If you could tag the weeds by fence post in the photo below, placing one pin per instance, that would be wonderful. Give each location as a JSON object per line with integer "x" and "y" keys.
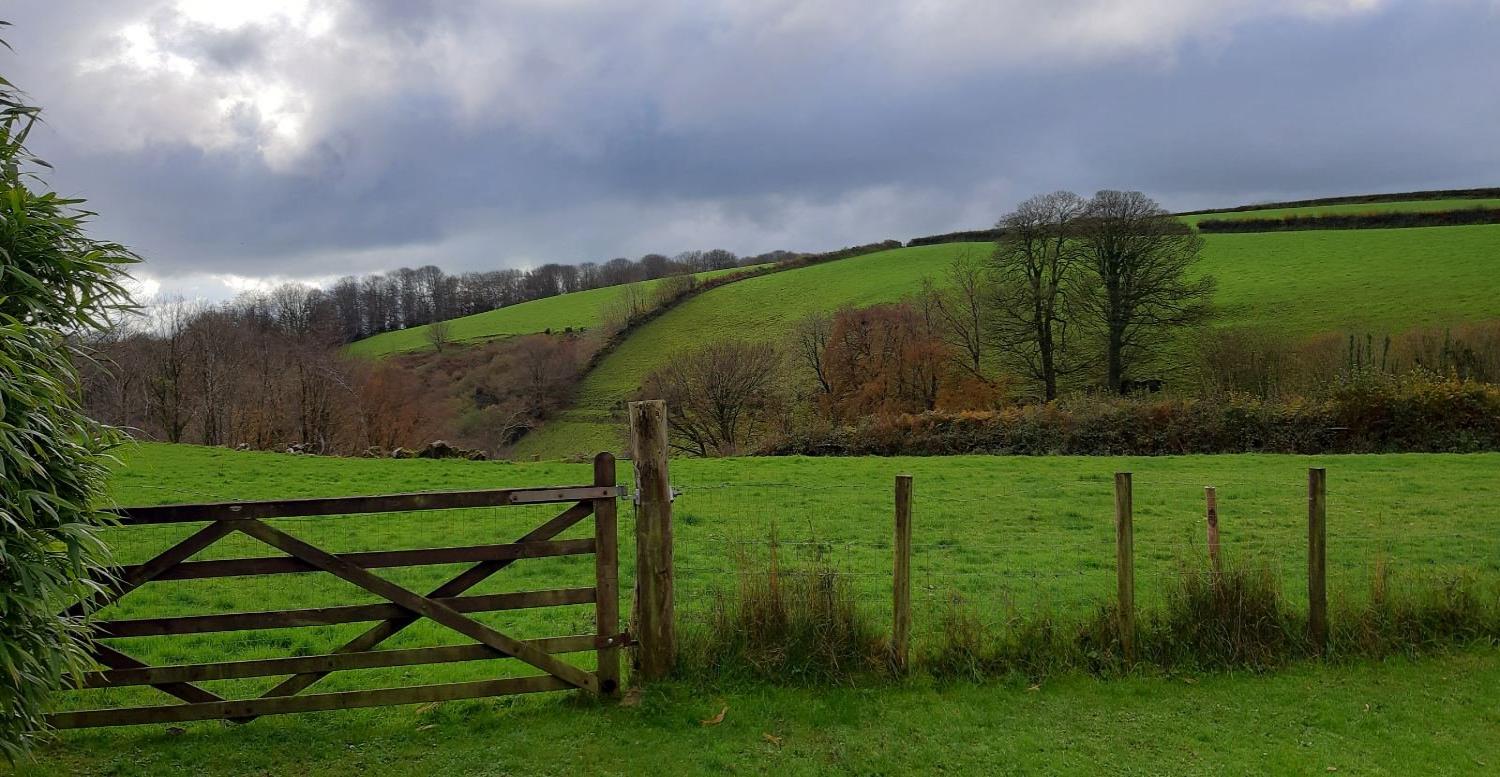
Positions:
{"x": 1317, "y": 561}
{"x": 655, "y": 620}
{"x": 901, "y": 580}
{"x": 606, "y": 577}
{"x": 1211, "y": 500}
{"x": 1125, "y": 562}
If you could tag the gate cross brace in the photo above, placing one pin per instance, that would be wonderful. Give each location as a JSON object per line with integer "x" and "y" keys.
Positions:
{"x": 469, "y": 578}
{"x": 145, "y": 573}
{"x": 418, "y": 604}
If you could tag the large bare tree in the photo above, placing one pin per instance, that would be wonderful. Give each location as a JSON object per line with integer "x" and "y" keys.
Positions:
{"x": 809, "y": 342}
{"x": 720, "y": 397}
{"x": 1140, "y": 286}
{"x": 1035, "y": 257}
{"x": 169, "y": 373}
{"x": 961, "y": 309}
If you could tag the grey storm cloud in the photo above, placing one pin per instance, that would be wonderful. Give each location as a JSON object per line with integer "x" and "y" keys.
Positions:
{"x": 230, "y": 142}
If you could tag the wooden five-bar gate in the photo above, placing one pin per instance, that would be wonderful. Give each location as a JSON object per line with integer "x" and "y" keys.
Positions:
{"x": 446, "y": 605}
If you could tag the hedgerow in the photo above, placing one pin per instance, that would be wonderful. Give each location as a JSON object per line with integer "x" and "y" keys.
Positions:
{"x": 1368, "y": 414}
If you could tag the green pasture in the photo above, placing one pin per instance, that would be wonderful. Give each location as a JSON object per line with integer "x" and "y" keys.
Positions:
{"x": 578, "y": 310}
{"x": 1004, "y": 533}
{"x": 1345, "y": 209}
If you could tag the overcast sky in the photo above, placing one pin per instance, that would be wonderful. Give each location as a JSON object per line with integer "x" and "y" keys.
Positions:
{"x": 236, "y": 143}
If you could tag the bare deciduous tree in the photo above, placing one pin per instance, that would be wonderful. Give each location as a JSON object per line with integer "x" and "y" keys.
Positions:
{"x": 719, "y": 398}
{"x": 809, "y": 343}
{"x": 167, "y": 388}
{"x": 1139, "y": 288}
{"x": 439, "y": 335}
{"x": 1034, "y": 259}
{"x": 961, "y": 308}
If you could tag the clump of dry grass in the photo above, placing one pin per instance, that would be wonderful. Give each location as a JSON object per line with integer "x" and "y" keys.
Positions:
{"x": 786, "y": 624}
{"x": 800, "y": 625}
{"x": 1417, "y": 616}
{"x": 1232, "y": 616}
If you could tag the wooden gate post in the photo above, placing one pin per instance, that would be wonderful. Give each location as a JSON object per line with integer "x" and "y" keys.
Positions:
{"x": 606, "y": 578}
{"x": 1317, "y": 561}
{"x": 901, "y": 579}
{"x": 655, "y": 628}
{"x": 1125, "y": 562}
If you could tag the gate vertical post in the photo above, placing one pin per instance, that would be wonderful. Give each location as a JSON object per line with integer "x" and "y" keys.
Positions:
{"x": 607, "y": 578}
{"x": 656, "y": 628}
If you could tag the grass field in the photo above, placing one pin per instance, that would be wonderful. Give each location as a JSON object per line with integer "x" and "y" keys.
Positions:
{"x": 1412, "y": 206}
{"x": 1300, "y": 283}
{"x": 1437, "y": 716}
{"x": 578, "y": 310}
{"x": 1003, "y": 532}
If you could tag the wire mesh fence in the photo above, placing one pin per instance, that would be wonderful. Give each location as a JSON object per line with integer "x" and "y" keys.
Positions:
{"x": 1027, "y": 545}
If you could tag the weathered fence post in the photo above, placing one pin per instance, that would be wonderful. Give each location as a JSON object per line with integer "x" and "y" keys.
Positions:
{"x": 901, "y": 580}
{"x": 606, "y": 578}
{"x": 1125, "y": 562}
{"x": 655, "y": 627}
{"x": 1211, "y": 500}
{"x": 1317, "y": 560}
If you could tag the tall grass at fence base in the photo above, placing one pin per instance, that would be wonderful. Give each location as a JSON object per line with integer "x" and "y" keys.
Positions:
{"x": 798, "y": 625}
{"x": 1411, "y": 617}
{"x": 803, "y": 625}
{"x": 1234, "y": 618}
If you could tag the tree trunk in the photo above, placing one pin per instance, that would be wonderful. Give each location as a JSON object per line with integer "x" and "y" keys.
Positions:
{"x": 1115, "y": 368}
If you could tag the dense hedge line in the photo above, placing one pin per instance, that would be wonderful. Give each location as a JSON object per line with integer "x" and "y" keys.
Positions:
{"x": 1390, "y": 220}
{"x": 1356, "y": 199}
{"x": 1367, "y": 416}
{"x": 971, "y": 236}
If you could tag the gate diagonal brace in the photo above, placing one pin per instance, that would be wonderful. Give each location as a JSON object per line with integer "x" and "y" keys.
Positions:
{"x": 418, "y": 604}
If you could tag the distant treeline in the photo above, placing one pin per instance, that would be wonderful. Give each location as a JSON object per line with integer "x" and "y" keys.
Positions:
{"x": 1388, "y": 220}
{"x": 370, "y": 304}
{"x": 1443, "y": 218}
{"x": 1355, "y": 199}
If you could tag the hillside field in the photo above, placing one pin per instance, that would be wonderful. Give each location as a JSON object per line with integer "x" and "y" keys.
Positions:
{"x": 1344, "y": 209}
{"x": 578, "y": 310}
{"x": 1003, "y": 532}
{"x": 1299, "y": 283}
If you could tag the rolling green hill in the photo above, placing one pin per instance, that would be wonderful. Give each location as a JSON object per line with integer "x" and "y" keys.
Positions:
{"x": 578, "y": 310}
{"x": 1301, "y": 283}
{"x": 1411, "y": 206}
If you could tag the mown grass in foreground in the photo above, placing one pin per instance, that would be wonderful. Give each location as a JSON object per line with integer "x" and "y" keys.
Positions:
{"x": 1398, "y": 717}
